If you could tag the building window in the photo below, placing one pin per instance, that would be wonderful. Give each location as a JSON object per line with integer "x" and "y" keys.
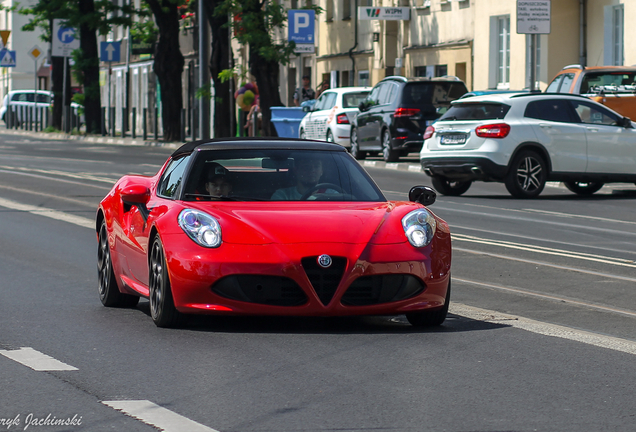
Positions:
{"x": 537, "y": 59}
{"x": 363, "y": 78}
{"x": 613, "y": 32}
{"x": 441, "y": 70}
{"x": 503, "y": 51}
{"x": 346, "y": 9}
{"x": 329, "y": 15}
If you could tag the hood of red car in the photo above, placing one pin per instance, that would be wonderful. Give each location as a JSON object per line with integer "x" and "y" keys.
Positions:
{"x": 310, "y": 222}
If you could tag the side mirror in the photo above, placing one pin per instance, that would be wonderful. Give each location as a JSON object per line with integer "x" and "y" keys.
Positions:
{"x": 363, "y": 106}
{"x": 424, "y": 195}
{"x": 306, "y": 108}
{"x": 627, "y": 123}
{"x": 138, "y": 196}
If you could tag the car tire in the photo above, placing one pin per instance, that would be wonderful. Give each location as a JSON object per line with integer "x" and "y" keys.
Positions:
{"x": 450, "y": 188}
{"x": 527, "y": 175}
{"x": 330, "y": 137}
{"x": 430, "y": 318}
{"x": 355, "y": 147}
{"x": 108, "y": 289}
{"x": 302, "y": 134}
{"x": 583, "y": 188}
{"x": 162, "y": 309}
{"x": 388, "y": 154}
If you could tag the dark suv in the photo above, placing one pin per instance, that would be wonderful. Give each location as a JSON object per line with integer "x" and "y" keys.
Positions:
{"x": 395, "y": 115}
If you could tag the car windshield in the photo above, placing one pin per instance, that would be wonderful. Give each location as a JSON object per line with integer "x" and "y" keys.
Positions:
{"x": 476, "y": 111}
{"x": 597, "y": 81}
{"x": 278, "y": 175}
{"x": 352, "y": 100}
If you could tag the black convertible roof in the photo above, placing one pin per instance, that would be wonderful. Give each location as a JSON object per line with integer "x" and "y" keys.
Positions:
{"x": 255, "y": 143}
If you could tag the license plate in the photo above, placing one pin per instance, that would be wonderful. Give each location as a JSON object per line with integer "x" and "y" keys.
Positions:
{"x": 453, "y": 139}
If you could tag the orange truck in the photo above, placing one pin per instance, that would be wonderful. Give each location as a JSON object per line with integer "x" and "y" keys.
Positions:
{"x": 612, "y": 86}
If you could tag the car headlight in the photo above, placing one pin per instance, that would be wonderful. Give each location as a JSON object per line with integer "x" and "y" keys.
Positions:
{"x": 419, "y": 227}
{"x": 201, "y": 227}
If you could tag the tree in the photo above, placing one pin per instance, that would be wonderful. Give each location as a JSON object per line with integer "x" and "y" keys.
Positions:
{"x": 221, "y": 59}
{"x": 168, "y": 65}
{"x": 260, "y": 20}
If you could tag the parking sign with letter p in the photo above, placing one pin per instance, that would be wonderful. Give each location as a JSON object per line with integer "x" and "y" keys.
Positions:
{"x": 301, "y": 26}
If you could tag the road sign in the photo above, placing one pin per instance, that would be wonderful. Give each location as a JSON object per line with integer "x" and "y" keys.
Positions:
{"x": 384, "y": 13}
{"x": 4, "y": 35}
{"x": 305, "y": 48}
{"x": 533, "y": 17}
{"x": 35, "y": 52}
{"x": 302, "y": 23}
{"x": 65, "y": 40}
{"x": 7, "y": 58}
{"x": 109, "y": 51}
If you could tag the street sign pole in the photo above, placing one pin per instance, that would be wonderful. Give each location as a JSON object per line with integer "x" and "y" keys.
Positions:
{"x": 64, "y": 97}
{"x": 35, "y": 53}
{"x": 111, "y": 123}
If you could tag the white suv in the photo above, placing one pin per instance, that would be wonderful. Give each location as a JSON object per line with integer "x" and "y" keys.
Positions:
{"x": 526, "y": 139}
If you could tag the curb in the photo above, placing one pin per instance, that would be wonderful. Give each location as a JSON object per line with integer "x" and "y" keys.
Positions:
{"x": 92, "y": 139}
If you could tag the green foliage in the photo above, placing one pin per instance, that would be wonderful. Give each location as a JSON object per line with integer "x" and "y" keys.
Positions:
{"x": 204, "y": 92}
{"x": 144, "y": 31}
{"x": 259, "y": 20}
{"x": 51, "y": 129}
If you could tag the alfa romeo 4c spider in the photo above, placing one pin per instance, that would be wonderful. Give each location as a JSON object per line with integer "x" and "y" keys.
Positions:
{"x": 270, "y": 227}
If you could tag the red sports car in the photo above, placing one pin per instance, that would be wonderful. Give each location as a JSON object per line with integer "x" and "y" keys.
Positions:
{"x": 270, "y": 227}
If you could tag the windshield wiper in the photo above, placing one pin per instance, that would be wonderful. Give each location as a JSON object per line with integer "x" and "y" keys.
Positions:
{"x": 222, "y": 198}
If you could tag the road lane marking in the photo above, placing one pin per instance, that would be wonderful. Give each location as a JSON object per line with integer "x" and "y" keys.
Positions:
{"x": 569, "y": 215}
{"x": 545, "y": 329}
{"x": 50, "y": 213}
{"x": 157, "y": 416}
{"x": 548, "y": 297}
{"x": 546, "y": 251}
{"x": 81, "y": 176}
{"x": 547, "y": 264}
{"x": 36, "y": 360}
{"x": 48, "y": 196}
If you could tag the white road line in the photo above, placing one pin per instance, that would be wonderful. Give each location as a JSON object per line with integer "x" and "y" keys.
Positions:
{"x": 50, "y": 213}
{"x": 157, "y": 416}
{"x": 602, "y": 341}
{"x": 36, "y": 360}
{"x": 548, "y": 297}
{"x": 547, "y": 264}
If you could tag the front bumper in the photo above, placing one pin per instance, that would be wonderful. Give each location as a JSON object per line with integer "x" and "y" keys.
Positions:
{"x": 200, "y": 284}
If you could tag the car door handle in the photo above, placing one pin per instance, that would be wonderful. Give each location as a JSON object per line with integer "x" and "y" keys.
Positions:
{"x": 592, "y": 129}
{"x": 545, "y": 125}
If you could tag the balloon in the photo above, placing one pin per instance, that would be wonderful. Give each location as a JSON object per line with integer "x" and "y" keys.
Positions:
{"x": 248, "y": 97}
{"x": 239, "y": 101}
{"x": 249, "y": 86}
{"x": 242, "y": 90}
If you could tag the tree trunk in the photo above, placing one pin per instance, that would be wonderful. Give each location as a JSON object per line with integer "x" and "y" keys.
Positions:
{"x": 221, "y": 58}
{"x": 90, "y": 72}
{"x": 168, "y": 66}
{"x": 266, "y": 73}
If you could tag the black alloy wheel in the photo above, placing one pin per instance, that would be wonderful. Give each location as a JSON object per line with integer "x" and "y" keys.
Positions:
{"x": 583, "y": 188}
{"x": 527, "y": 175}
{"x": 431, "y": 318}
{"x": 450, "y": 188}
{"x": 388, "y": 154}
{"x": 162, "y": 309}
{"x": 109, "y": 293}
{"x": 355, "y": 146}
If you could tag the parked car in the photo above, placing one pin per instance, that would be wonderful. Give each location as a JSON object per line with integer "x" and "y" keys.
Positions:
{"x": 26, "y": 99}
{"x": 223, "y": 229}
{"x": 526, "y": 139}
{"x": 489, "y": 92}
{"x": 394, "y": 116}
{"x": 612, "y": 86}
{"x": 329, "y": 119}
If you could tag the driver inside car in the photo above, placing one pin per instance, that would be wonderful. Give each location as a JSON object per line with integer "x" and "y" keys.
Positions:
{"x": 308, "y": 174}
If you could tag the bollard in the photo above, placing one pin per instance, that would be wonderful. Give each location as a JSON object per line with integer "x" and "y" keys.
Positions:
{"x": 103, "y": 121}
{"x": 111, "y": 121}
{"x": 134, "y": 123}
{"x": 183, "y": 117}
{"x": 145, "y": 123}
{"x": 156, "y": 123}
{"x": 123, "y": 122}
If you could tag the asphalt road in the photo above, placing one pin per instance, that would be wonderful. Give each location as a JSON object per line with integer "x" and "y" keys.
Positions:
{"x": 540, "y": 335}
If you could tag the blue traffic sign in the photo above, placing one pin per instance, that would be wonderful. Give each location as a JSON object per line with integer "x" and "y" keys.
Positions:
{"x": 110, "y": 51}
{"x": 7, "y": 58}
{"x": 66, "y": 35}
{"x": 301, "y": 23}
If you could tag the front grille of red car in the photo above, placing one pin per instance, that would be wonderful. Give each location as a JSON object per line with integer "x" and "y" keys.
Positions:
{"x": 268, "y": 290}
{"x": 377, "y": 289}
{"x": 324, "y": 280}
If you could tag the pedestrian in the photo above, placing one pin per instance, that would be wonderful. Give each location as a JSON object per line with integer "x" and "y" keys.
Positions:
{"x": 322, "y": 87}
{"x": 304, "y": 93}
